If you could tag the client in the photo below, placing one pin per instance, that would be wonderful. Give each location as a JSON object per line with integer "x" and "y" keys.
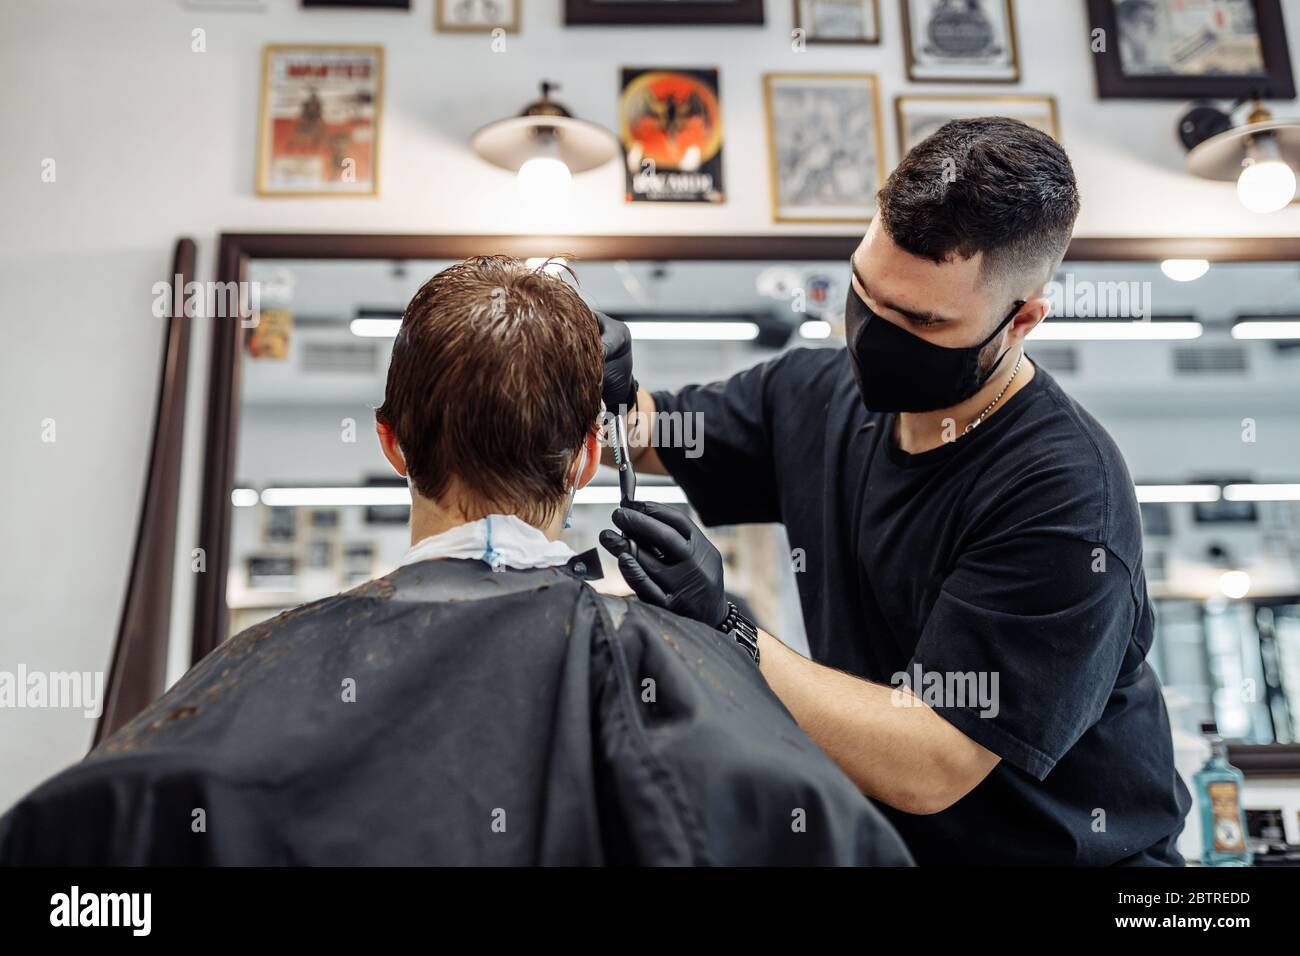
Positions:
{"x": 482, "y": 704}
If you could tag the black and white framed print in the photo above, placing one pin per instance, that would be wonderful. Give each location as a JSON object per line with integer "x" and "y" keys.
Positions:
{"x": 662, "y": 12}
{"x": 1190, "y": 49}
{"x": 477, "y": 16}
{"x": 921, "y": 115}
{"x": 838, "y": 21}
{"x": 969, "y": 41}
{"x": 825, "y": 146}
{"x": 360, "y": 4}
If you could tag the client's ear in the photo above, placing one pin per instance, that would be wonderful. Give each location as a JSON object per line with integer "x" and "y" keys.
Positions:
{"x": 388, "y": 442}
{"x": 591, "y": 461}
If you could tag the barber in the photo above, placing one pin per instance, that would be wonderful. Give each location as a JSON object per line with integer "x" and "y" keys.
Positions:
{"x": 973, "y": 592}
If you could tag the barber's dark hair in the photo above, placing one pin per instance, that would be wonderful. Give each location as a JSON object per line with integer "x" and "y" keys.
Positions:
{"x": 992, "y": 185}
{"x": 493, "y": 385}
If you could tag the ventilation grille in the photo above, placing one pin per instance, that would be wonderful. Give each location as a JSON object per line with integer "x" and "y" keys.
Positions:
{"x": 349, "y": 358}
{"x": 1209, "y": 360}
{"x": 1057, "y": 359}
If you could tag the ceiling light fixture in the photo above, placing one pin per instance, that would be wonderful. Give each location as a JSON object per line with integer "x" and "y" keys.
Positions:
{"x": 1234, "y": 584}
{"x": 815, "y": 329}
{"x": 1185, "y": 270}
{"x": 1262, "y": 492}
{"x": 1261, "y": 155}
{"x": 1278, "y": 329}
{"x": 378, "y": 496}
{"x": 1074, "y": 330}
{"x": 694, "y": 331}
{"x": 1174, "y": 494}
{"x": 544, "y": 146}
{"x": 375, "y": 328}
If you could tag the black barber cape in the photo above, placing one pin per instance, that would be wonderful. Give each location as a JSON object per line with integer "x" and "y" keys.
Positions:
{"x": 452, "y": 715}
{"x": 1012, "y": 554}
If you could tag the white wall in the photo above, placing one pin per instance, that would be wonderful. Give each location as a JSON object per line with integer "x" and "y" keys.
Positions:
{"x": 153, "y": 141}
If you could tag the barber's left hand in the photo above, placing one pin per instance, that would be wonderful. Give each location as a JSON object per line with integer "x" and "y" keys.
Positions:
{"x": 674, "y": 565}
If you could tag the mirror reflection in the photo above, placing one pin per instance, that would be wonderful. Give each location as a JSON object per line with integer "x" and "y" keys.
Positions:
{"x": 1186, "y": 379}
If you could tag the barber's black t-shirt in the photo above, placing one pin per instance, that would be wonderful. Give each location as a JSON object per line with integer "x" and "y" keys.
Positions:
{"x": 1002, "y": 572}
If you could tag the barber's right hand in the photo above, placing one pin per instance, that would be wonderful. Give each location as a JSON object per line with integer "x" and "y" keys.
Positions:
{"x": 673, "y": 565}
{"x": 619, "y": 390}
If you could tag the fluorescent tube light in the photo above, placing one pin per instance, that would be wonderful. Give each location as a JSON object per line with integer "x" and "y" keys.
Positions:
{"x": 1090, "y": 331}
{"x": 1262, "y": 492}
{"x": 1266, "y": 329}
{"x": 375, "y": 328}
{"x": 1161, "y": 494}
{"x": 694, "y": 331}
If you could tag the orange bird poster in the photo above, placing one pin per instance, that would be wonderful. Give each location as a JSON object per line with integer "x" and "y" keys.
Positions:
{"x": 670, "y": 122}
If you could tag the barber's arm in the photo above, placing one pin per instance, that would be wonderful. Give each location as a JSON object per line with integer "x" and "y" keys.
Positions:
{"x": 894, "y": 747}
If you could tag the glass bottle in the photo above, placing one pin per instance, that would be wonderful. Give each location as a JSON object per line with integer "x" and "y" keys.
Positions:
{"x": 1218, "y": 792}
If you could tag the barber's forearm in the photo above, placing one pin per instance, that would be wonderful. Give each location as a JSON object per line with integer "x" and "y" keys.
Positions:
{"x": 906, "y": 756}
{"x": 640, "y": 434}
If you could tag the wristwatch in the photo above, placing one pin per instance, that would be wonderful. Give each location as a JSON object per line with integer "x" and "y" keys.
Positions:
{"x": 741, "y": 629}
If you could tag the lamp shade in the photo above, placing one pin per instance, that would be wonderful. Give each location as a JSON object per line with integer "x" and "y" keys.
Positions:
{"x": 545, "y": 129}
{"x": 509, "y": 143}
{"x": 1220, "y": 157}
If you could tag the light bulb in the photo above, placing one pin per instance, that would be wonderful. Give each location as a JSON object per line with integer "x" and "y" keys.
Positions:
{"x": 1266, "y": 185}
{"x": 544, "y": 178}
{"x": 1234, "y": 584}
{"x": 1185, "y": 270}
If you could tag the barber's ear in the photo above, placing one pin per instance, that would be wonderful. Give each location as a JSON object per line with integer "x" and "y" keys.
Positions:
{"x": 591, "y": 461}
{"x": 392, "y": 451}
{"x": 1031, "y": 314}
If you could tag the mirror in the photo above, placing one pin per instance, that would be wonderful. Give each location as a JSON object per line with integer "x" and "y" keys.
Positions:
{"x": 314, "y": 369}
{"x": 1197, "y": 387}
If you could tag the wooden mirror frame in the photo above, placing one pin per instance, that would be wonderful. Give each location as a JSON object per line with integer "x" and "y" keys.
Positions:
{"x": 237, "y": 249}
{"x": 137, "y": 671}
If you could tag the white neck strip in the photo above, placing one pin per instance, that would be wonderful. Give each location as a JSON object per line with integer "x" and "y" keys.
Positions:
{"x": 500, "y": 541}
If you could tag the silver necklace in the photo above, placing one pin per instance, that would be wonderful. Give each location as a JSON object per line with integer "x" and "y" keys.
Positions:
{"x": 984, "y": 414}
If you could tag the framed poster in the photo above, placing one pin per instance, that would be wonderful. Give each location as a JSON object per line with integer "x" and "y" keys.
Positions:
{"x": 358, "y": 563}
{"x": 662, "y": 12}
{"x": 477, "y": 16}
{"x": 271, "y": 572}
{"x": 670, "y": 124}
{"x": 319, "y": 125}
{"x": 838, "y": 21}
{"x": 323, "y": 519}
{"x": 824, "y": 146}
{"x": 360, "y": 4}
{"x": 279, "y": 525}
{"x": 1190, "y": 49}
{"x": 318, "y": 554}
{"x": 226, "y": 6}
{"x": 972, "y": 41}
{"x": 270, "y": 338}
{"x": 920, "y": 115}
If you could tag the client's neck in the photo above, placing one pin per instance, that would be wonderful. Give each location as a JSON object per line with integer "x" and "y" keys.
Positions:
{"x": 430, "y": 517}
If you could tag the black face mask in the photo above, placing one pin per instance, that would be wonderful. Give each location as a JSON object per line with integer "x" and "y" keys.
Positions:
{"x": 897, "y": 371}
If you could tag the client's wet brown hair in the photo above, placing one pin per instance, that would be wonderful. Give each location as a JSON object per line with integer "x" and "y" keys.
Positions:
{"x": 494, "y": 383}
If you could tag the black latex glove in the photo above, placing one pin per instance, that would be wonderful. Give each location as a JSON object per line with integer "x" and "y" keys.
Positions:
{"x": 619, "y": 390}
{"x": 673, "y": 565}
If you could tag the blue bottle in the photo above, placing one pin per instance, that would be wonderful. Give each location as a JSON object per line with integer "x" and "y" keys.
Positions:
{"x": 1218, "y": 794}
